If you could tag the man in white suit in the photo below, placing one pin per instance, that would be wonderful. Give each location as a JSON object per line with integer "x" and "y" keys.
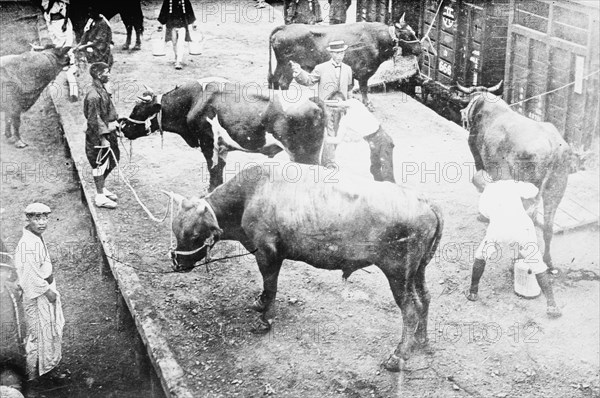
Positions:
{"x": 348, "y": 117}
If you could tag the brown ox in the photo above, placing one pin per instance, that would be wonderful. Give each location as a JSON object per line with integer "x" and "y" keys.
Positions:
{"x": 346, "y": 224}
{"x": 509, "y": 145}
{"x": 23, "y": 77}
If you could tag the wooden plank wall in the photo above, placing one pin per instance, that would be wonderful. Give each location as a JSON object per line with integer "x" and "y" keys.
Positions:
{"x": 552, "y": 44}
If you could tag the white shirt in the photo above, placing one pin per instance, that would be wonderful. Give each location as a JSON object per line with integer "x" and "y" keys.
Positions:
{"x": 501, "y": 203}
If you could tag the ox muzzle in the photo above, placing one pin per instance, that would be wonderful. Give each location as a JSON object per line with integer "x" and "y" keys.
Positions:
{"x": 185, "y": 261}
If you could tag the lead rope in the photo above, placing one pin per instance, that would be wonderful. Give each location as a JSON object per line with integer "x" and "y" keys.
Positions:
{"x": 428, "y": 39}
{"x": 556, "y": 89}
{"x": 152, "y": 217}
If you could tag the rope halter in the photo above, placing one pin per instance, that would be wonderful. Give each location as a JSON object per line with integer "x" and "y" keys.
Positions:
{"x": 209, "y": 242}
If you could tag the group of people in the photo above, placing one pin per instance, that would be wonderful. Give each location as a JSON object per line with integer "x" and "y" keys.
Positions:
{"x": 309, "y": 11}
{"x": 500, "y": 201}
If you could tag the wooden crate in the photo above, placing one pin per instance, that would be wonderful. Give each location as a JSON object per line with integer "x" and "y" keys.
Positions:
{"x": 469, "y": 38}
{"x": 552, "y": 44}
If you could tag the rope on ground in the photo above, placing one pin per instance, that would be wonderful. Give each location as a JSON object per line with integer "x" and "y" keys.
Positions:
{"x": 556, "y": 89}
{"x": 152, "y": 217}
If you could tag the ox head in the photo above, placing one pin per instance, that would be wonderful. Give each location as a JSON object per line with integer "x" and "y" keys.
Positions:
{"x": 142, "y": 121}
{"x": 407, "y": 38}
{"x": 465, "y": 97}
{"x": 62, "y": 55}
{"x": 196, "y": 229}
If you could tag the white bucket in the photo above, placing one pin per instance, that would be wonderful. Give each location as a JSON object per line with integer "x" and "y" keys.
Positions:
{"x": 525, "y": 281}
{"x": 197, "y": 43}
{"x": 158, "y": 44}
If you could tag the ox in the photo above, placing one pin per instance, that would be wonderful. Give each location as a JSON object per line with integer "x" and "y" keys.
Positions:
{"x": 129, "y": 10}
{"x": 347, "y": 225}
{"x": 203, "y": 110}
{"x": 12, "y": 347}
{"x": 509, "y": 145}
{"x": 370, "y": 43}
{"x": 23, "y": 77}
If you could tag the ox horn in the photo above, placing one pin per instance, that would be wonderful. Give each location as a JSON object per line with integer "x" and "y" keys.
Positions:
{"x": 177, "y": 198}
{"x": 463, "y": 89}
{"x": 401, "y": 21}
{"x": 148, "y": 89}
{"x": 497, "y": 89}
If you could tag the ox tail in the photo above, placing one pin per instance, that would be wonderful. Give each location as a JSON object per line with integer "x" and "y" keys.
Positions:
{"x": 436, "y": 237}
{"x": 270, "y": 76}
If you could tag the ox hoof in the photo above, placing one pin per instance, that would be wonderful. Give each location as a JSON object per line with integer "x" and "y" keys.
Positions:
{"x": 553, "y": 312}
{"x": 394, "y": 363}
{"x": 137, "y": 47}
{"x": 20, "y": 144}
{"x": 258, "y": 305}
{"x": 11, "y": 139}
{"x": 471, "y": 296}
{"x": 261, "y": 326}
{"x": 426, "y": 347}
{"x": 552, "y": 271}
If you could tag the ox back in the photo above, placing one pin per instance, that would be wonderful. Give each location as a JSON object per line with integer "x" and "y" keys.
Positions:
{"x": 129, "y": 10}
{"x": 369, "y": 44}
{"x": 25, "y": 76}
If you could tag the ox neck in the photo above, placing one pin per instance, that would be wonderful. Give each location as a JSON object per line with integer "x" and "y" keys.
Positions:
{"x": 466, "y": 117}
{"x": 227, "y": 203}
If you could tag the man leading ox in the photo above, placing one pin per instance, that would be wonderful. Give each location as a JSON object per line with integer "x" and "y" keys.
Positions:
{"x": 334, "y": 79}
{"x": 101, "y": 145}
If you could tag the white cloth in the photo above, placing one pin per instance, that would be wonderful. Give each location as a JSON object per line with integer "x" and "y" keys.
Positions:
{"x": 509, "y": 223}
{"x": 45, "y": 320}
{"x": 357, "y": 123}
{"x": 58, "y": 37}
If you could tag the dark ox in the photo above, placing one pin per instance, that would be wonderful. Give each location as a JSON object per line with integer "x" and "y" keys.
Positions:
{"x": 246, "y": 118}
{"x": 509, "y": 145}
{"x": 347, "y": 225}
{"x": 129, "y": 10}
{"x": 370, "y": 43}
{"x": 12, "y": 347}
{"x": 23, "y": 77}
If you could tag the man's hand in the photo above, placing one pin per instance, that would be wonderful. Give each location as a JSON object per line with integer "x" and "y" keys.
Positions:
{"x": 113, "y": 126}
{"x": 51, "y": 295}
{"x": 296, "y": 69}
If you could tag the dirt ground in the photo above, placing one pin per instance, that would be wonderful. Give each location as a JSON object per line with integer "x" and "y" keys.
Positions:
{"x": 98, "y": 356}
{"x": 329, "y": 337}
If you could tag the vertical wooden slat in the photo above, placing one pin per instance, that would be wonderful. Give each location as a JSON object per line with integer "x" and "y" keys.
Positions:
{"x": 508, "y": 63}
{"x": 547, "y": 55}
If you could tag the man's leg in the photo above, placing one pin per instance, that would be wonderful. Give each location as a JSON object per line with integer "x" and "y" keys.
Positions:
{"x": 99, "y": 172}
{"x": 179, "y": 44}
{"x": 382, "y": 157}
{"x": 113, "y": 162}
{"x": 483, "y": 251}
